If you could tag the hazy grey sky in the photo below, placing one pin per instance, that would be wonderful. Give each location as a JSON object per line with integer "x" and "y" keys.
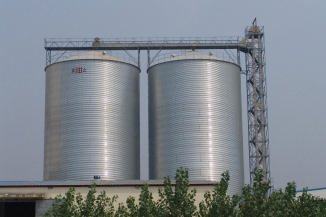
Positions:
{"x": 295, "y": 34}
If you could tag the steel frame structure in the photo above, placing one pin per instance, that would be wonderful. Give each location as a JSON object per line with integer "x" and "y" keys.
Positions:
{"x": 252, "y": 45}
{"x": 258, "y": 135}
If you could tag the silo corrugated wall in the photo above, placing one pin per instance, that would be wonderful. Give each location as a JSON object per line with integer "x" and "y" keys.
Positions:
{"x": 91, "y": 119}
{"x": 195, "y": 119}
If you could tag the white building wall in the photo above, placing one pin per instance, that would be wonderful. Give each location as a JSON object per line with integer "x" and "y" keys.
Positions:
{"x": 318, "y": 192}
{"x": 44, "y": 195}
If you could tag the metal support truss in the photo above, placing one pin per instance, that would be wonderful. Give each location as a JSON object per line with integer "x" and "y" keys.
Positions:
{"x": 256, "y": 101}
{"x": 252, "y": 46}
{"x": 55, "y": 48}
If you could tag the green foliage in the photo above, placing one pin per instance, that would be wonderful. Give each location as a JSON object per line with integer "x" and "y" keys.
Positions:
{"x": 281, "y": 203}
{"x": 73, "y": 204}
{"x": 254, "y": 201}
{"x": 309, "y": 205}
{"x": 64, "y": 206}
{"x": 179, "y": 201}
{"x": 147, "y": 206}
{"x": 219, "y": 203}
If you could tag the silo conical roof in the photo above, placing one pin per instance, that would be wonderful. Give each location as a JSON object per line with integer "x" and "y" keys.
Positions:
{"x": 193, "y": 55}
{"x": 93, "y": 55}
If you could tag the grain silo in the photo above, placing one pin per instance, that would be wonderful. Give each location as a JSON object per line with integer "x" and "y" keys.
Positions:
{"x": 195, "y": 119}
{"x": 91, "y": 119}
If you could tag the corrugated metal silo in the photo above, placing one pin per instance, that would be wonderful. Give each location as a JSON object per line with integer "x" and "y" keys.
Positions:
{"x": 91, "y": 119}
{"x": 195, "y": 119}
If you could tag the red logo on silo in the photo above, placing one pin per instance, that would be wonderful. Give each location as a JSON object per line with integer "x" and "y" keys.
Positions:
{"x": 78, "y": 70}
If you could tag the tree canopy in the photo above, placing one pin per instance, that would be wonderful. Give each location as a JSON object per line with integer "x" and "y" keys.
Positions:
{"x": 179, "y": 201}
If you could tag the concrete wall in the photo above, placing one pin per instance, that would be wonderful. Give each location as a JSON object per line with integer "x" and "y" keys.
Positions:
{"x": 42, "y": 206}
{"x": 44, "y": 195}
{"x": 123, "y": 192}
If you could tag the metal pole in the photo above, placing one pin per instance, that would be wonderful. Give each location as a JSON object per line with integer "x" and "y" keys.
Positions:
{"x": 261, "y": 90}
{"x": 255, "y": 100}
{"x": 138, "y": 58}
{"x": 148, "y": 59}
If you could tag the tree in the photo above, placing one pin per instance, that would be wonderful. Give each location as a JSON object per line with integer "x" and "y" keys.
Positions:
{"x": 64, "y": 206}
{"x": 282, "y": 203}
{"x": 253, "y": 200}
{"x": 309, "y": 205}
{"x": 177, "y": 202}
{"x": 219, "y": 203}
{"x": 256, "y": 202}
{"x": 147, "y": 206}
{"x": 73, "y": 204}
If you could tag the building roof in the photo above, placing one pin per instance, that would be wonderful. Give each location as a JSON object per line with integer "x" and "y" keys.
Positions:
{"x": 312, "y": 189}
{"x": 121, "y": 183}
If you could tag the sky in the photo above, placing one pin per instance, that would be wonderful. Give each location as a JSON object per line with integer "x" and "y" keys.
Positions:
{"x": 295, "y": 54}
